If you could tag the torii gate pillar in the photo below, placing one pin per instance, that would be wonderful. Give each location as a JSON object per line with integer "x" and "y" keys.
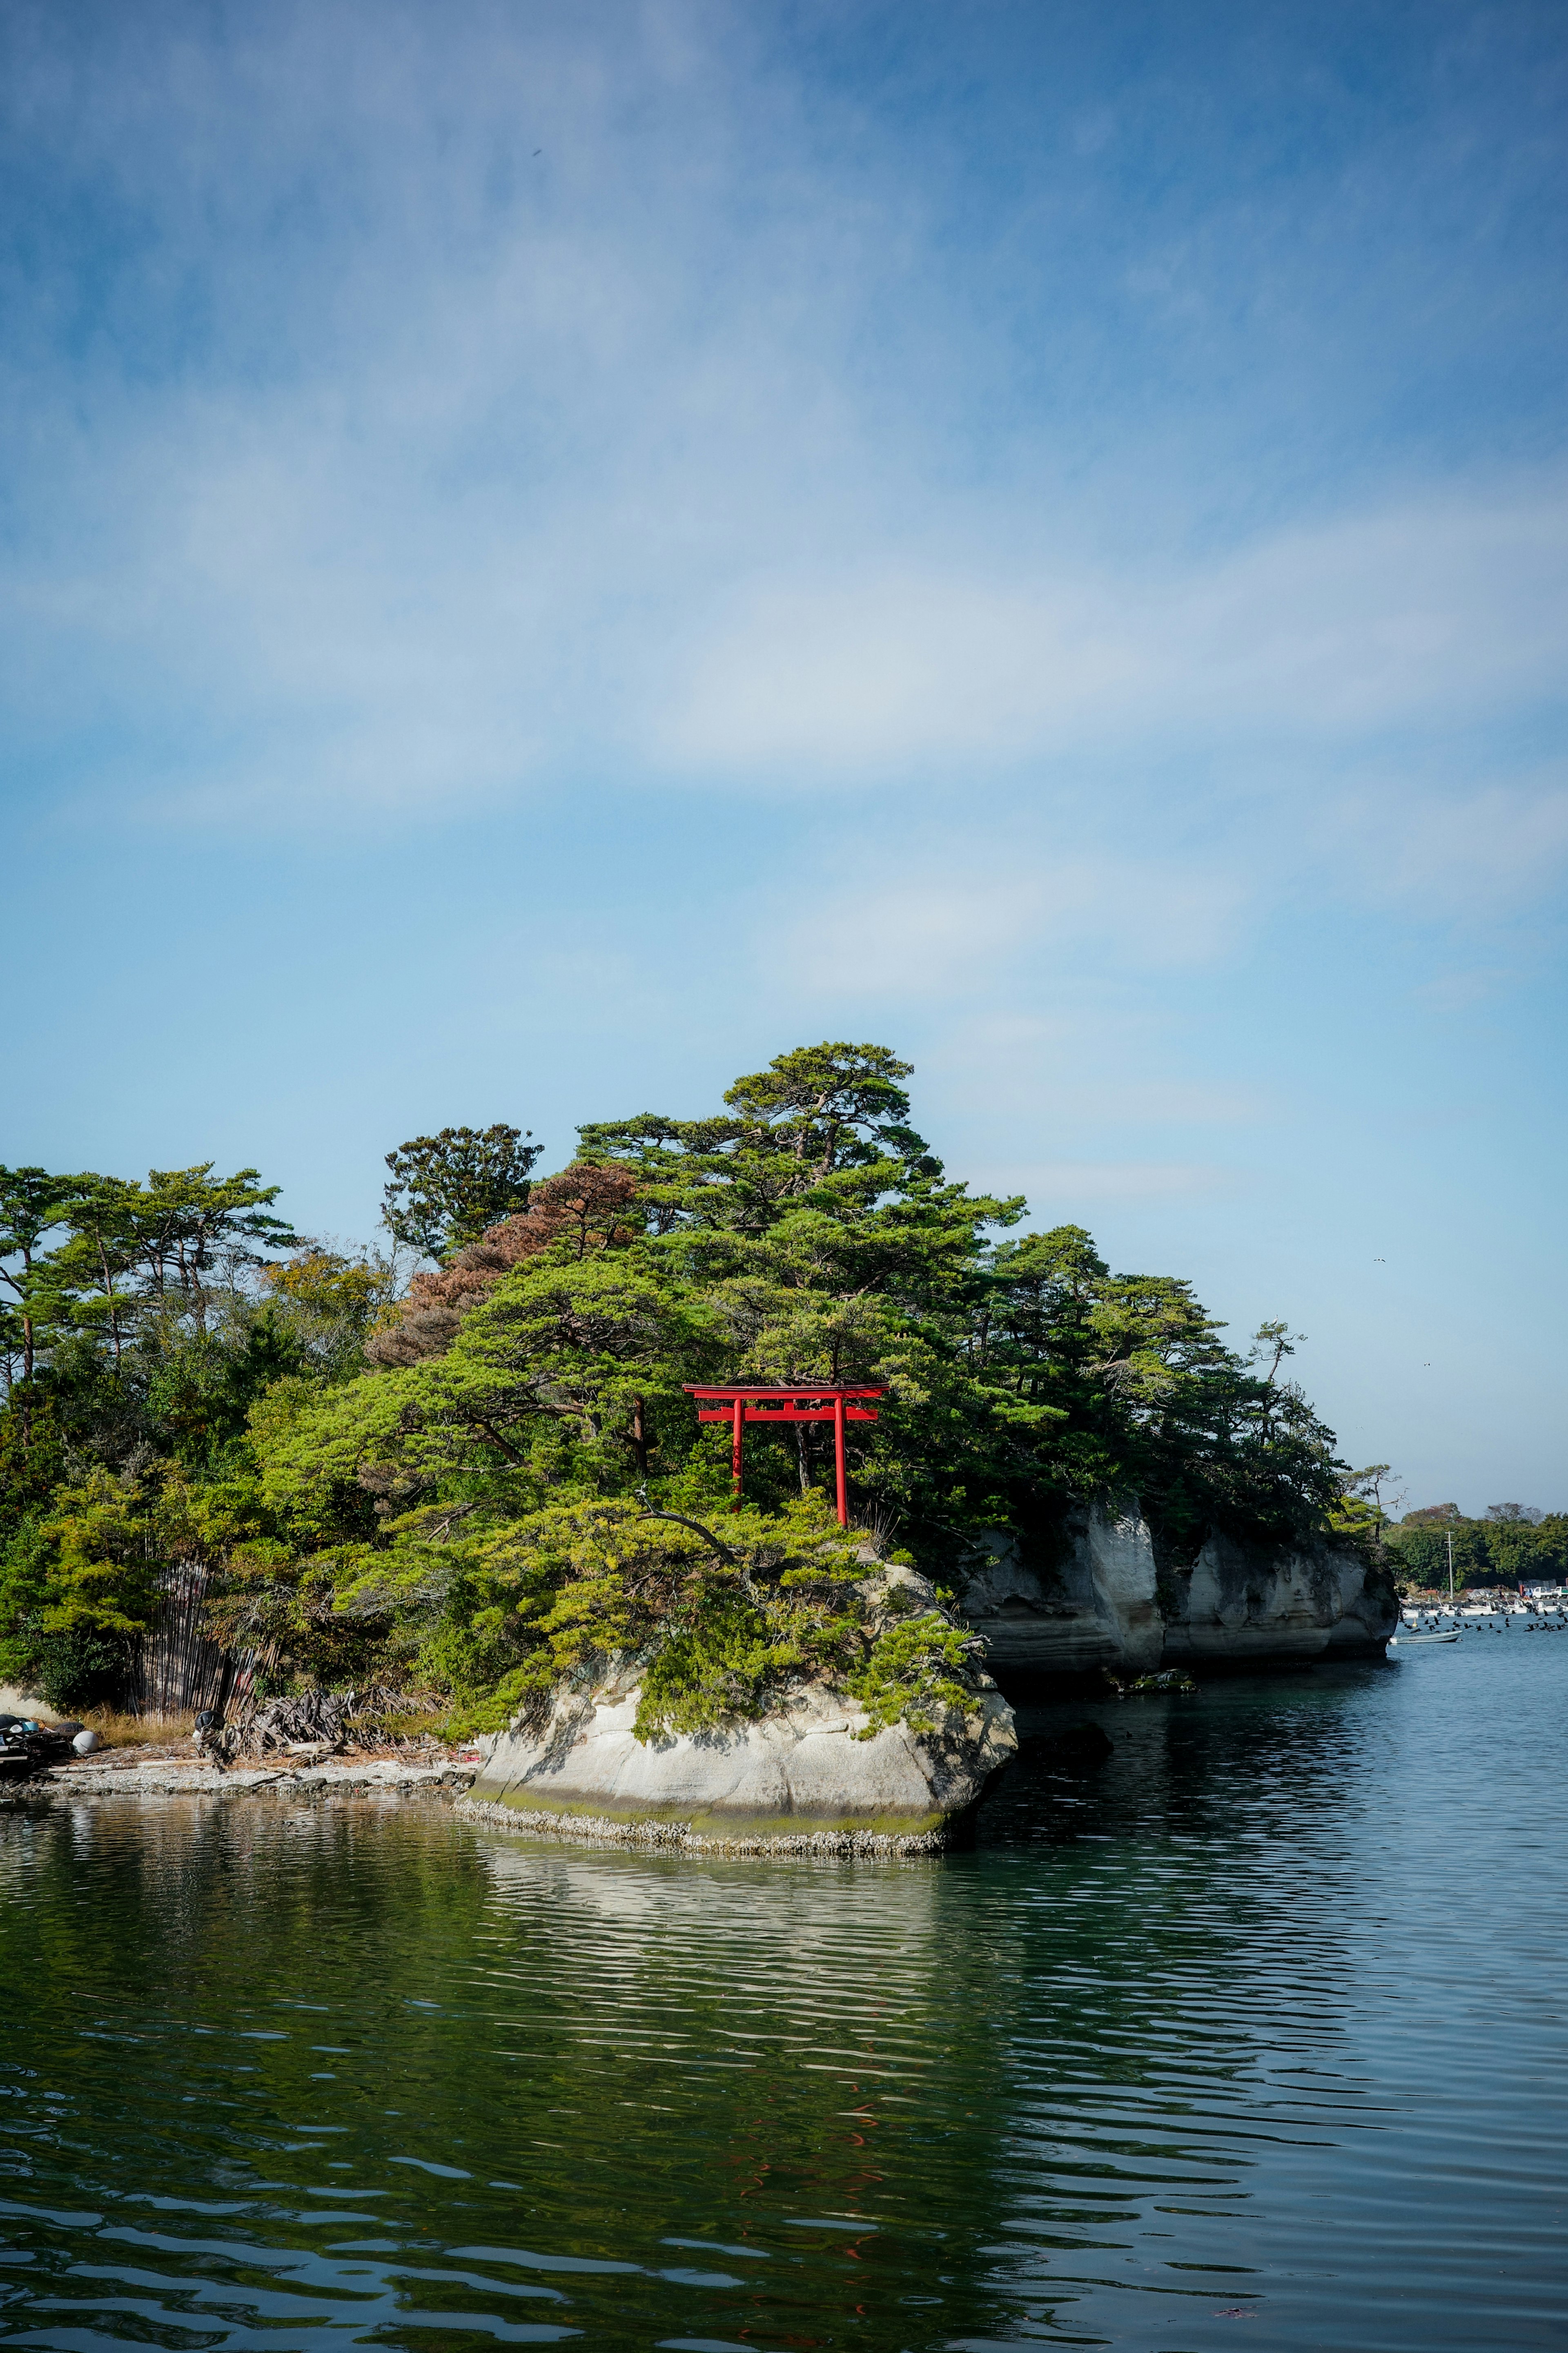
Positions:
{"x": 833, "y": 1402}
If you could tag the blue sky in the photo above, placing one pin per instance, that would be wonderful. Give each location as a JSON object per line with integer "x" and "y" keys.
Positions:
{"x": 550, "y": 553}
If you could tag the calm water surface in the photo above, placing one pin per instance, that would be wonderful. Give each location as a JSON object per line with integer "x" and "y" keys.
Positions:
{"x": 1253, "y": 2033}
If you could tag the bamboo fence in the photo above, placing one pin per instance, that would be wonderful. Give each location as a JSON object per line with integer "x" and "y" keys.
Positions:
{"x": 178, "y": 1667}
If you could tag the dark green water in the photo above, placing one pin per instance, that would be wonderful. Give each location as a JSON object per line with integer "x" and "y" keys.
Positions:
{"x": 1255, "y": 2034}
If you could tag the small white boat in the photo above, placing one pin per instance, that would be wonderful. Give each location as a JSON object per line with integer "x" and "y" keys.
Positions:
{"x": 1448, "y": 1633}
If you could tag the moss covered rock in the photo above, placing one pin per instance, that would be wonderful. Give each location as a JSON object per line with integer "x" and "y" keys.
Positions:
{"x": 805, "y": 1778}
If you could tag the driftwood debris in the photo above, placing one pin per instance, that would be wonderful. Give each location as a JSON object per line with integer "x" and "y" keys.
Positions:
{"x": 328, "y": 1720}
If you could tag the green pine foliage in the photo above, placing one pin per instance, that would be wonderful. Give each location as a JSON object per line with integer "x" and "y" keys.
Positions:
{"x": 477, "y": 1511}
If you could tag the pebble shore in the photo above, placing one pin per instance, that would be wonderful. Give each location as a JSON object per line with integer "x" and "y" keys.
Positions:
{"x": 174, "y": 1777}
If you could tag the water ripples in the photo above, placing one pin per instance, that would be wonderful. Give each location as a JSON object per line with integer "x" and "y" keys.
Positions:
{"x": 1251, "y": 2024}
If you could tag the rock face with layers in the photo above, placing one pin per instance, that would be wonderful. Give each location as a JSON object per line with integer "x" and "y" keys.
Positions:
{"x": 1238, "y": 1604}
{"x": 1100, "y": 1609}
{"x": 1104, "y": 1603}
{"x": 797, "y": 1782}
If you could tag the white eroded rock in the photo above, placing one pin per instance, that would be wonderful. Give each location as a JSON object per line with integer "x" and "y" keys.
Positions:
{"x": 1100, "y": 1602}
{"x": 1094, "y": 1604}
{"x": 1238, "y": 1604}
{"x": 797, "y": 1779}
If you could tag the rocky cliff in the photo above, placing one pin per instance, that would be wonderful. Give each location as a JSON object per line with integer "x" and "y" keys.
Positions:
{"x": 1105, "y": 1602}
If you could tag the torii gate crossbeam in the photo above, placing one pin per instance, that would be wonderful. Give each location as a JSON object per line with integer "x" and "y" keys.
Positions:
{"x": 739, "y": 1404}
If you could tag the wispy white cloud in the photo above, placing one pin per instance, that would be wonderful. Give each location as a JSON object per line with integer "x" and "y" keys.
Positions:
{"x": 401, "y": 528}
{"x": 489, "y": 472}
{"x": 1416, "y": 615}
{"x": 1456, "y": 992}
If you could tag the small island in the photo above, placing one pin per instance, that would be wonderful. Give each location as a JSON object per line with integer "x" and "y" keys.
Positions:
{"x": 467, "y": 1468}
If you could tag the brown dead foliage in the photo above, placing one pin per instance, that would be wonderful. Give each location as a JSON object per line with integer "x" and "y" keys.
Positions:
{"x": 585, "y": 1207}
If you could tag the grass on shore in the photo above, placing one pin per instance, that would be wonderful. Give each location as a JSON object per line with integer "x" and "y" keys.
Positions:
{"x": 116, "y": 1729}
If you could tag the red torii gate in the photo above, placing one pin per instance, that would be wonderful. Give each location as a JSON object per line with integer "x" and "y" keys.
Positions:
{"x": 741, "y": 1403}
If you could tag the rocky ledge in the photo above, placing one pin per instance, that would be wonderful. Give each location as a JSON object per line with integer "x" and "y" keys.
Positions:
{"x": 800, "y": 1781}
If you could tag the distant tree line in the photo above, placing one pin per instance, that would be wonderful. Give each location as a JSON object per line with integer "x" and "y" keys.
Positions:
{"x": 1513, "y": 1543}
{"x": 430, "y": 1461}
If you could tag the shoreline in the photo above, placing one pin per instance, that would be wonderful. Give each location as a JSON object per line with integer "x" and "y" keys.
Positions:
{"x": 89, "y": 1779}
{"x": 173, "y": 1777}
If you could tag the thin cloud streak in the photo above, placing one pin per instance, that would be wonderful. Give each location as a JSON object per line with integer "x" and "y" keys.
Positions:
{"x": 1474, "y": 854}
{"x": 1417, "y": 616}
